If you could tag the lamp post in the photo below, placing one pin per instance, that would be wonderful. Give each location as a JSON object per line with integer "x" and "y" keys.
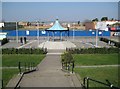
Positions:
{"x": 38, "y": 32}
{"x": 73, "y": 34}
{"x": 16, "y": 33}
{"x": 96, "y": 38}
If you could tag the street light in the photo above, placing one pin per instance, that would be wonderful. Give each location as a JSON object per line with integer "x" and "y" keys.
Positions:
{"x": 16, "y": 33}
{"x": 96, "y": 38}
{"x": 73, "y": 34}
{"x": 38, "y": 32}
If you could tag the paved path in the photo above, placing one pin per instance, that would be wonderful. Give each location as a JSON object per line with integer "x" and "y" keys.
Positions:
{"x": 94, "y": 66}
{"x": 57, "y": 45}
{"x": 49, "y": 74}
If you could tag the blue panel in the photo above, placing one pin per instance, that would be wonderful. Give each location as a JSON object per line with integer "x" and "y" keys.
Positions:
{"x": 57, "y": 33}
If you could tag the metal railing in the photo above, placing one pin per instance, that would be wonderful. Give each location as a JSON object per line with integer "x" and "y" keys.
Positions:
{"x": 108, "y": 84}
{"x": 1, "y": 85}
{"x": 26, "y": 66}
{"x": 69, "y": 67}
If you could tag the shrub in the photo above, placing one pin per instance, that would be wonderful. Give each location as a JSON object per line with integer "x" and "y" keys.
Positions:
{"x": 23, "y": 51}
{"x": 4, "y": 41}
{"x": 117, "y": 44}
{"x": 93, "y": 51}
{"x": 67, "y": 57}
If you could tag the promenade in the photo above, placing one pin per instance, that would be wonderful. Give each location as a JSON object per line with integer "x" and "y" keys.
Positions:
{"x": 49, "y": 73}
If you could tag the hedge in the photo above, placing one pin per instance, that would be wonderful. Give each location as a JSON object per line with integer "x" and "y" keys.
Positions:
{"x": 117, "y": 44}
{"x": 23, "y": 51}
{"x": 93, "y": 51}
{"x": 4, "y": 41}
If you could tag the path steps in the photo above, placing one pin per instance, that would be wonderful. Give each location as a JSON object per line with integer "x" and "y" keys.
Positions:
{"x": 48, "y": 74}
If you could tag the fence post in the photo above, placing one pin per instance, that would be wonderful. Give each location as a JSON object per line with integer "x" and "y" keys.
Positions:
{"x": 84, "y": 81}
{"x": 69, "y": 67}
{"x": 19, "y": 67}
{"x": 72, "y": 66}
{"x": 66, "y": 65}
{"x": 62, "y": 65}
{"x": 25, "y": 66}
{"x": 31, "y": 65}
{"x": 2, "y": 83}
{"x": 28, "y": 66}
{"x": 87, "y": 82}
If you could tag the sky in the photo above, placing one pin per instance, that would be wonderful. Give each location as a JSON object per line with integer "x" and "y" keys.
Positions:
{"x": 64, "y": 11}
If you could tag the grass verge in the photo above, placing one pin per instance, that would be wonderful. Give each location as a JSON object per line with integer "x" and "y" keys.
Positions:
{"x": 13, "y": 59}
{"x": 96, "y": 59}
{"x": 7, "y": 74}
{"x": 101, "y": 74}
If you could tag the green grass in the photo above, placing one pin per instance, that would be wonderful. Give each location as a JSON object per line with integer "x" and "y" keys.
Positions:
{"x": 110, "y": 73}
{"x": 13, "y": 59}
{"x": 7, "y": 74}
{"x": 96, "y": 59}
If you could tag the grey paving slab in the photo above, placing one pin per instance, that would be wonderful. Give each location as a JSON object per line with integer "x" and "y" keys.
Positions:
{"x": 49, "y": 74}
{"x": 12, "y": 44}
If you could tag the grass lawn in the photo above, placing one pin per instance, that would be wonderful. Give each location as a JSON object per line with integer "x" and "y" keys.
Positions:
{"x": 110, "y": 73}
{"x": 95, "y": 59}
{"x": 8, "y": 74}
{"x": 13, "y": 59}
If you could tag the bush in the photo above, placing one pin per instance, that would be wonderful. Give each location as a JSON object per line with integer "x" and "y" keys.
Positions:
{"x": 93, "y": 51}
{"x": 67, "y": 61}
{"x": 4, "y": 41}
{"x": 23, "y": 51}
{"x": 67, "y": 58}
{"x": 117, "y": 44}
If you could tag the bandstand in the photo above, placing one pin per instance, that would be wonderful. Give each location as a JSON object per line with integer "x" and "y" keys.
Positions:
{"x": 56, "y": 28}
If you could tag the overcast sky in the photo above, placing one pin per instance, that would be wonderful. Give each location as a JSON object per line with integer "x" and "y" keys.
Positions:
{"x": 65, "y": 11}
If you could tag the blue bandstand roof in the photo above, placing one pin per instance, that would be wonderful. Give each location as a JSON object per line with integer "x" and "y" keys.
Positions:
{"x": 56, "y": 27}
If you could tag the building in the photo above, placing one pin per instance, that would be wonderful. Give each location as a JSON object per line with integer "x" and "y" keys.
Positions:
{"x": 89, "y": 25}
{"x": 1, "y": 25}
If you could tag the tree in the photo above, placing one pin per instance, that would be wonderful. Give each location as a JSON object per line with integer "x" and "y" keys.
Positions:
{"x": 96, "y": 19}
{"x": 78, "y": 22}
{"x": 28, "y": 24}
{"x": 104, "y": 19}
{"x": 43, "y": 23}
{"x": 112, "y": 19}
